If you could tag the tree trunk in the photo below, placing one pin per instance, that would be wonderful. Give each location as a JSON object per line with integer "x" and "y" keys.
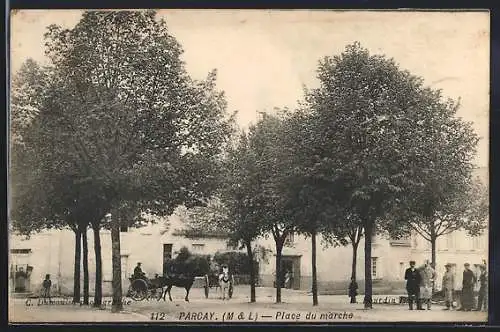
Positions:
{"x": 78, "y": 259}
{"x": 98, "y": 267}
{"x": 368, "y": 265}
{"x": 252, "y": 271}
{"x": 279, "y": 248}
{"x": 354, "y": 259}
{"x": 117, "y": 304}
{"x": 433, "y": 260}
{"x": 314, "y": 276}
{"x": 85, "y": 267}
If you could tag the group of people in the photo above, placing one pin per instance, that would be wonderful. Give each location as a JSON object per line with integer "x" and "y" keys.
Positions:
{"x": 419, "y": 282}
{"x": 419, "y": 285}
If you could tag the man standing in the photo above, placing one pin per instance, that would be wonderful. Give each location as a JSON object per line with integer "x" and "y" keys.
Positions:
{"x": 482, "y": 300}
{"x": 448, "y": 287}
{"x": 46, "y": 285}
{"x": 413, "y": 279}
{"x": 468, "y": 281}
{"x": 428, "y": 274}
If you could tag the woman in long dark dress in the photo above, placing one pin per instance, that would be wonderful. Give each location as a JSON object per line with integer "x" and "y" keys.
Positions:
{"x": 468, "y": 281}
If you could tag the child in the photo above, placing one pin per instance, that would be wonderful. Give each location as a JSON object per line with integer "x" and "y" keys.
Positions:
{"x": 353, "y": 290}
{"x": 47, "y": 284}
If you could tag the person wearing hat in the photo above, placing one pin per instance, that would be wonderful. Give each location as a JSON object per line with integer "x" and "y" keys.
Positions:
{"x": 138, "y": 271}
{"x": 427, "y": 280}
{"x": 482, "y": 300}
{"x": 468, "y": 281}
{"x": 413, "y": 280}
{"x": 448, "y": 286}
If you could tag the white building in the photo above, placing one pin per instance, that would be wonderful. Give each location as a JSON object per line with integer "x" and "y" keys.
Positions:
{"x": 52, "y": 252}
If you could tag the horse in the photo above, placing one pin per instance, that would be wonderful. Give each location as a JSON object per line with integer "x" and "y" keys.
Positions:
{"x": 182, "y": 281}
{"x": 225, "y": 280}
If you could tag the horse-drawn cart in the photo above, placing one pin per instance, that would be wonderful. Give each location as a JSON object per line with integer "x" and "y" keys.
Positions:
{"x": 214, "y": 280}
{"x": 143, "y": 288}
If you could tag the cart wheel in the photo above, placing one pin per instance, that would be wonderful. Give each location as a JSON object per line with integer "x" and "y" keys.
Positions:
{"x": 138, "y": 295}
{"x": 139, "y": 290}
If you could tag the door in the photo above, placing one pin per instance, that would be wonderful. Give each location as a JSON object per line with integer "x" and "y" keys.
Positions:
{"x": 296, "y": 273}
{"x": 286, "y": 267}
{"x": 20, "y": 270}
{"x": 291, "y": 264}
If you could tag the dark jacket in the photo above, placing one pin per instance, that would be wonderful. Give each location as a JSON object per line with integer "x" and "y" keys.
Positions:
{"x": 413, "y": 279}
{"x": 47, "y": 283}
{"x": 138, "y": 272}
{"x": 468, "y": 279}
{"x": 483, "y": 280}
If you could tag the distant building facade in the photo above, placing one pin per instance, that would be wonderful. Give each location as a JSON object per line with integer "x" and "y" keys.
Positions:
{"x": 52, "y": 252}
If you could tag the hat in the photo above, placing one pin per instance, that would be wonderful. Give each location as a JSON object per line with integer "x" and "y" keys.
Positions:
{"x": 466, "y": 264}
{"x": 139, "y": 263}
{"x": 447, "y": 265}
{"x": 412, "y": 262}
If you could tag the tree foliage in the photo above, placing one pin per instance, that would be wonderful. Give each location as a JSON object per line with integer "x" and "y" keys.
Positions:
{"x": 383, "y": 122}
{"x": 121, "y": 124}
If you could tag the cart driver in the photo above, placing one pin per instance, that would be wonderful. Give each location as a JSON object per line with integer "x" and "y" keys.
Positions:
{"x": 138, "y": 272}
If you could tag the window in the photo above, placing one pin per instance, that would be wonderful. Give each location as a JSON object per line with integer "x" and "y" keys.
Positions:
{"x": 289, "y": 240}
{"x": 404, "y": 241}
{"x": 414, "y": 242}
{"x": 20, "y": 257}
{"x": 374, "y": 267}
{"x": 477, "y": 243}
{"x": 20, "y": 251}
{"x": 450, "y": 241}
{"x": 198, "y": 248}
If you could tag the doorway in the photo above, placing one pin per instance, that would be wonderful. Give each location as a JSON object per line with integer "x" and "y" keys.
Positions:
{"x": 21, "y": 270}
{"x": 291, "y": 265}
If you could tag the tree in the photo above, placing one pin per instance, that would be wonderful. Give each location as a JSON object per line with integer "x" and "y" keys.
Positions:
{"x": 314, "y": 190}
{"x": 267, "y": 141}
{"x": 460, "y": 208}
{"x": 240, "y": 195}
{"x": 130, "y": 132}
{"x": 28, "y": 88}
{"x": 381, "y": 116}
{"x": 34, "y": 198}
{"x": 233, "y": 210}
{"x": 450, "y": 198}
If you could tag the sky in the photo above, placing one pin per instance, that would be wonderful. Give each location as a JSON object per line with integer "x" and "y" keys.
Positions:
{"x": 265, "y": 57}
